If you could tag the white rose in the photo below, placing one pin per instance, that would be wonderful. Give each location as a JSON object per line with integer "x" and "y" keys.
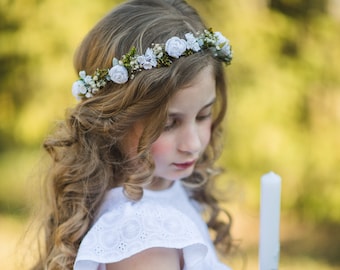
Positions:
{"x": 192, "y": 43}
{"x": 119, "y": 74}
{"x": 175, "y": 46}
{"x": 78, "y": 88}
{"x": 221, "y": 40}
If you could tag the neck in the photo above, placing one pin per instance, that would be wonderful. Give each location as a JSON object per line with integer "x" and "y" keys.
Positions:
{"x": 160, "y": 184}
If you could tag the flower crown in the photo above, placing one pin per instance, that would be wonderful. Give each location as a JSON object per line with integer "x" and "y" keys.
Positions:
{"x": 159, "y": 55}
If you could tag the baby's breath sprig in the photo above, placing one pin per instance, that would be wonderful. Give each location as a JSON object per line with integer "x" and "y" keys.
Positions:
{"x": 158, "y": 55}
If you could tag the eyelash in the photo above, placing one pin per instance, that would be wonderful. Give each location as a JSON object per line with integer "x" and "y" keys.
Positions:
{"x": 174, "y": 122}
{"x": 203, "y": 117}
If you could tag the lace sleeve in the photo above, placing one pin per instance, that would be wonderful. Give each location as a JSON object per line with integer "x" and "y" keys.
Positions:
{"x": 133, "y": 227}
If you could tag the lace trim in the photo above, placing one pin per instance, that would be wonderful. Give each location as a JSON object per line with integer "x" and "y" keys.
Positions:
{"x": 134, "y": 227}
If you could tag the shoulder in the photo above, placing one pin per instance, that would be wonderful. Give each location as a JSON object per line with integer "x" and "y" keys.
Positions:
{"x": 125, "y": 229}
{"x": 151, "y": 259}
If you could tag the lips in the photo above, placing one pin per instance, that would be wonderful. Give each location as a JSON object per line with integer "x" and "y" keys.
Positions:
{"x": 184, "y": 165}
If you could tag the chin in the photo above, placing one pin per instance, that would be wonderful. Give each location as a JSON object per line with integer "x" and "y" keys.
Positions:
{"x": 173, "y": 175}
{"x": 183, "y": 175}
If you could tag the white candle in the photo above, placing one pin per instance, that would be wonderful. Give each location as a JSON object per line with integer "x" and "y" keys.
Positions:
{"x": 269, "y": 244}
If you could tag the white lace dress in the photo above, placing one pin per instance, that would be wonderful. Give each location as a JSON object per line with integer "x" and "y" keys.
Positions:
{"x": 164, "y": 218}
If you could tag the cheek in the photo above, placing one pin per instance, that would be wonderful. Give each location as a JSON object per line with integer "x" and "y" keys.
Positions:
{"x": 206, "y": 133}
{"x": 160, "y": 148}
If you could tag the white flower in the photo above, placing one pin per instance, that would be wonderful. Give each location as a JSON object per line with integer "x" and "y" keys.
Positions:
{"x": 150, "y": 58}
{"x": 158, "y": 51}
{"x": 129, "y": 64}
{"x": 92, "y": 84}
{"x": 134, "y": 64}
{"x": 88, "y": 79}
{"x": 78, "y": 88}
{"x": 88, "y": 95}
{"x": 144, "y": 63}
{"x": 200, "y": 42}
{"x": 141, "y": 59}
{"x": 175, "y": 46}
{"x": 224, "y": 42}
{"x": 192, "y": 43}
{"x": 119, "y": 74}
{"x": 115, "y": 61}
{"x": 82, "y": 74}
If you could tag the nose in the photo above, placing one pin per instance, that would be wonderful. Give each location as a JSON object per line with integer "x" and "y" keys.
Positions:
{"x": 190, "y": 141}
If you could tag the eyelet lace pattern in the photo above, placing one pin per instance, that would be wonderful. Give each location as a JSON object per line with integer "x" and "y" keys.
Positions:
{"x": 124, "y": 228}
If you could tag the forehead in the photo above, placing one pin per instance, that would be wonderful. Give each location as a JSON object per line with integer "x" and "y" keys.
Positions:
{"x": 200, "y": 91}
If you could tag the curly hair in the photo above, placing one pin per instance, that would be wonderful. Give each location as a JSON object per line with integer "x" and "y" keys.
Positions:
{"x": 88, "y": 149}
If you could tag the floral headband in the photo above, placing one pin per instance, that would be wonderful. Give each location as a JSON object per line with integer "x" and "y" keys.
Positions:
{"x": 159, "y": 55}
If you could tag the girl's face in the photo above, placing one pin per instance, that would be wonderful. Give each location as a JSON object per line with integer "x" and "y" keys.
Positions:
{"x": 187, "y": 131}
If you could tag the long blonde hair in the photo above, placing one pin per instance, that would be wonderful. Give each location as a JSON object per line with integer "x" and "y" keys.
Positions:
{"x": 87, "y": 149}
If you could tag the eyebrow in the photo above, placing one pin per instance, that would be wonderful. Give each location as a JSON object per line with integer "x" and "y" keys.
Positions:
{"x": 209, "y": 104}
{"x": 172, "y": 114}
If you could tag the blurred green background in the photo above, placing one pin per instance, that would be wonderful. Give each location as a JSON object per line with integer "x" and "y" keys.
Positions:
{"x": 284, "y": 114}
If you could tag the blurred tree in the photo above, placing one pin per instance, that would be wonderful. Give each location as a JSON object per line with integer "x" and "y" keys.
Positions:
{"x": 284, "y": 88}
{"x": 15, "y": 82}
{"x": 299, "y": 9}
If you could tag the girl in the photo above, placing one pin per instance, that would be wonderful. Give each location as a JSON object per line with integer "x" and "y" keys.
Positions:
{"x": 132, "y": 164}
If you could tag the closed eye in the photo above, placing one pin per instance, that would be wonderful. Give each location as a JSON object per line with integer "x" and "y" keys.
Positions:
{"x": 174, "y": 119}
{"x": 203, "y": 117}
{"x": 171, "y": 123}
